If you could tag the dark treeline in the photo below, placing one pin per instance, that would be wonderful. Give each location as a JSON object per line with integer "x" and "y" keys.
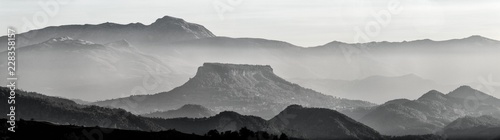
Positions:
{"x": 30, "y": 129}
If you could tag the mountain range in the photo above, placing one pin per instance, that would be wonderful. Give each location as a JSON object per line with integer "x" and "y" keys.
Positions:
{"x": 124, "y": 70}
{"x": 180, "y": 47}
{"x": 431, "y": 112}
{"x": 164, "y": 30}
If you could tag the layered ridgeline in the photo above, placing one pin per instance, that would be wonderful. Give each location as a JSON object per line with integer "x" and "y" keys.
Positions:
{"x": 431, "y": 112}
{"x": 482, "y": 127}
{"x": 188, "y": 110}
{"x": 164, "y": 30}
{"x": 75, "y": 68}
{"x": 246, "y": 89}
{"x": 320, "y": 123}
{"x": 183, "y": 46}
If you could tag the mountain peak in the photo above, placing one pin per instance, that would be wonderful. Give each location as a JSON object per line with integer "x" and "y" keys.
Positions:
{"x": 464, "y": 87}
{"x": 477, "y": 37}
{"x": 169, "y": 19}
{"x": 179, "y": 26}
{"x": 433, "y": 94}
{"x": 464, "y": 92}
{"x": 335, "y": 43}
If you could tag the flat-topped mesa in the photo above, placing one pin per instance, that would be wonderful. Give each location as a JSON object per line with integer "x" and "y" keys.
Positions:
{"x": 211, "y": 74}
{"x": 223, "y": 67}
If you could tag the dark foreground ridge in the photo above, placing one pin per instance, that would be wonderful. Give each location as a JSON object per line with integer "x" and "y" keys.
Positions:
{"x": 47, "y": 131}
{"x": 30, "y": 129}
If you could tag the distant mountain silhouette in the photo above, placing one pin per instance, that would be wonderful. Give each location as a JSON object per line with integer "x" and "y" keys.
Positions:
{"x": 379, "y": 88}
{"x": 188, "y": 111}
{"x": 164, "y": 30}
{"x": 246, "y": 89}
{"x": 431, "y": 112}
{"x": 482, "y": 127}
{"x": 474, "y": 40}
{"x": 88, "y": 71}
{"x": 320, "y": 123}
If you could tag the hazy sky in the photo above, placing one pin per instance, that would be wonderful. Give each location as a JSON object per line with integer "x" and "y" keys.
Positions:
{"x": 300, "y": 22}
